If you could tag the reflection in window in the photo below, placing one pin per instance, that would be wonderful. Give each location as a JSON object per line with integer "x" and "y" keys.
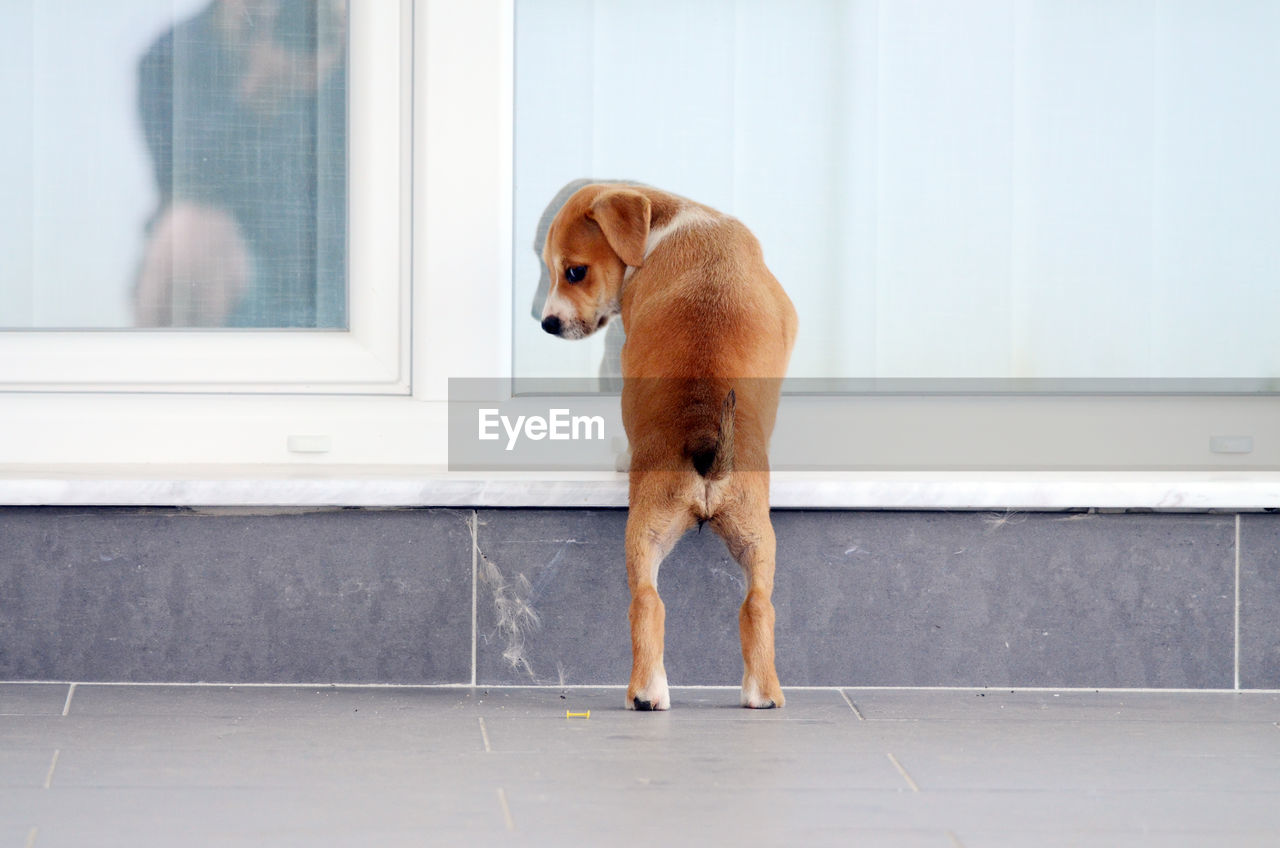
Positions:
{"x": 179, "y": 165}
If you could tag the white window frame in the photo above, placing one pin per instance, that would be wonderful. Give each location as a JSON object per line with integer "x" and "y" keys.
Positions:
{"x": 429, "y": 293}
{"x": 366, "y": 359}
{"x": 431, "y": 259}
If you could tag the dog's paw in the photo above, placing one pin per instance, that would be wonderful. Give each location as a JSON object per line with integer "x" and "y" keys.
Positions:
{"x": 756, "y": 697}
{"x": 655, "y": 696}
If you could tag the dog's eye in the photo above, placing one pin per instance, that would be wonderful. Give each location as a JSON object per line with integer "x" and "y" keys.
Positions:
{"x": 576, "y": 274}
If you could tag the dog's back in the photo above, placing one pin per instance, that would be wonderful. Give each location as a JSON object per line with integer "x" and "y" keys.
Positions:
{"x": 704, "y": 317}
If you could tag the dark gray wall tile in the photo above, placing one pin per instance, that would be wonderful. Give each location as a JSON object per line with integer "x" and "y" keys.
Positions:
{"x": 1029, "y": 599}
{"x": 551, "y": 596}
{"x": 552, "y": 601}
{"x": 877, "y": 598}
{"x": 138, "y": 595}
{"x": 1260, "y": 601}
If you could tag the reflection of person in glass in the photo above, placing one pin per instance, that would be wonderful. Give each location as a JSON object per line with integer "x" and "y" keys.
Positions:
{"x": 244, "y": 111}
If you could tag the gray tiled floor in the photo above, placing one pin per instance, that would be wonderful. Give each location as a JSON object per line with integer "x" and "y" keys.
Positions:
{"x": 265, "y": 766}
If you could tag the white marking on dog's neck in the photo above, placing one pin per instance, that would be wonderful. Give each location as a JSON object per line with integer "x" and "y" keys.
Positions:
{"x": 689, "y": 216}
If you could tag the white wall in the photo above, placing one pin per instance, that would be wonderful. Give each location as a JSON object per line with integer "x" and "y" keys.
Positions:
{"x": 988, "y": 188}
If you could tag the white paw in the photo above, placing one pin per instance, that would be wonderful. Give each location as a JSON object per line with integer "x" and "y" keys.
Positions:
{"x": 655, "y": 696}
{"x": 754, "y": 698}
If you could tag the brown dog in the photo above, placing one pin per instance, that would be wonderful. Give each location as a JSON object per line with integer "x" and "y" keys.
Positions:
{"x": 709, "y": 332}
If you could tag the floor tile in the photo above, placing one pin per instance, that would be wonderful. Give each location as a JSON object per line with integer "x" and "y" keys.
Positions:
{"x": 240, "y": 766}
{"x": 33, "y": 698}
{"x": 1021, "y": 704}
{"x": 24, "y": 766}
{"x": 159, "y": 700}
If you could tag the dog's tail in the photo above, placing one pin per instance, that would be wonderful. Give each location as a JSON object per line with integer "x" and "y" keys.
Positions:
{"x": 711, "y": 451}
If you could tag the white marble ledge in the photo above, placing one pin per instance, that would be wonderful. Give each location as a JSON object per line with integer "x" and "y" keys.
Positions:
{"x": 285, "y": 487}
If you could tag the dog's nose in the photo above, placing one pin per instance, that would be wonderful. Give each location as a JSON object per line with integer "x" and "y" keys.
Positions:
{"x": 551, "y": 324}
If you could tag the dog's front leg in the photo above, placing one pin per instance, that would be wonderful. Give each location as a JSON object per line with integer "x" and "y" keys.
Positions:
{"x": 651, "y": 533}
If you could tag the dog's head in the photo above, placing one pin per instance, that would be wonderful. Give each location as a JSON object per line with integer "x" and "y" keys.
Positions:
{"x": 598, "y": 233}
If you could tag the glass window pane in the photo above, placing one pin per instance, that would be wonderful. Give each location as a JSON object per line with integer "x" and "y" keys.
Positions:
{"x": 986, "y": 190}
{"x": 173, "y": 163}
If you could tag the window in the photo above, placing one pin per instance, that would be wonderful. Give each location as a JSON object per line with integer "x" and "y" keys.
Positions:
{"x": 233, "y": 212}
{"x": 185, "y": 165}
{"x": 1047, "y": 224}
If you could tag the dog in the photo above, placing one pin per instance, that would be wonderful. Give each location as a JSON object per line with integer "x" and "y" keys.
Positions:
{"x": 709, "y": 332}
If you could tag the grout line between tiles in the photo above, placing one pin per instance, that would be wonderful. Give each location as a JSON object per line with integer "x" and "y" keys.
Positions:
{"x": 475, "y": 549}
{"x": 71, "y": 692}
{"x": 1236, "y": 640}
{"x": 48, "y": 778}
{"x": 902, "y": 771}
{"x": 506, "y": 809}
{"x": 31, "y": 837}
{"x": 484, "y": 735}
{"x": 856, "y": 711}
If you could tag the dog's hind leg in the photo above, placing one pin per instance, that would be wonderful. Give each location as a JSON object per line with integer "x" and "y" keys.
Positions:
{"x": 745, "y": 526}
{"x": 652, "y": 531}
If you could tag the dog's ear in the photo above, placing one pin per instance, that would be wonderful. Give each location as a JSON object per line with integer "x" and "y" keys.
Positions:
{"x": 623, "y": 216}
